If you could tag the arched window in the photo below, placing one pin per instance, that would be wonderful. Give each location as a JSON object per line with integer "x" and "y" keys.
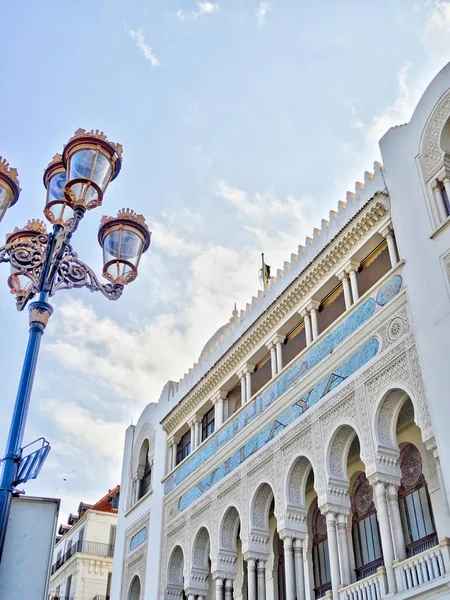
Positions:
{"x": 416, "y": 513}
{"x": 146, "y": 481}
{"x": 321, "y": 559}
{"x": 135, "y": 589}
{"x": 365, "y": 532}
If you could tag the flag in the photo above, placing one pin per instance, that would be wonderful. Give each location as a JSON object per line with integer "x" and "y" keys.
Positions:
{"x": 264, "y": 273}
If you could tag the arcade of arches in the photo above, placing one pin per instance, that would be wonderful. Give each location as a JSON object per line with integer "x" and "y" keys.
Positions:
{"x": 311, "y": 547}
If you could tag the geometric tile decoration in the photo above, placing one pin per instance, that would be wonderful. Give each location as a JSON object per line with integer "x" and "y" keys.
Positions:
{"x": 138, "y": 539}
{"x": 291, "y": 376}
{"x": 288, "y": 416}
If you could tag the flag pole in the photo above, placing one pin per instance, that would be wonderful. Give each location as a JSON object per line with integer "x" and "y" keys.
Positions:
{"x": 263, "y": 273}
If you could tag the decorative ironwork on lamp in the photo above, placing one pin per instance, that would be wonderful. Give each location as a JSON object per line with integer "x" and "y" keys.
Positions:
{"x": 9, "y": 187}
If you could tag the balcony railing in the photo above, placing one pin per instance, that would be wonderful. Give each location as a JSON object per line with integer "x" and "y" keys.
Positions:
{"x": 86, "y": 548}
{"x": 423, "y": 567}
{"x": 370, "y": 588}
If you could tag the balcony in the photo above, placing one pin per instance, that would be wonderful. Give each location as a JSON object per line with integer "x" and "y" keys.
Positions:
{"x": 94, "y": 548}
{"x": 428, "y": 569}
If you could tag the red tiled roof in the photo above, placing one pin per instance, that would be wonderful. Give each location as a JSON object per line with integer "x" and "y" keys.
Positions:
{"x": 104, "y": 503}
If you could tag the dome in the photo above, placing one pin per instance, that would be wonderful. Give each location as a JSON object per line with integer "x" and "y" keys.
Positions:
{"x": 212, "y": 340}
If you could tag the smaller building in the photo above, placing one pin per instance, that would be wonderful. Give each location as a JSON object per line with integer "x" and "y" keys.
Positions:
{"x": 83, "y": 555}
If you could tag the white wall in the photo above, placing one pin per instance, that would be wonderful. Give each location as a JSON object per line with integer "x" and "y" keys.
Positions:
{"x": 428, "y": 296}
{"x": 150, "y": 507}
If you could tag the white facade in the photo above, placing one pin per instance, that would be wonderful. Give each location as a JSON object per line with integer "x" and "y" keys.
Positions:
{"x": 83, "y": 559}
{"x": 306, "y": 454}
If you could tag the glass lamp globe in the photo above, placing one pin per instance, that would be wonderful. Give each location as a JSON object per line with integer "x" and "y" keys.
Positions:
{"x": 9, "y": 187}
{"x": 91, "y": 162}
{"x": 57, "y": 209}
{"x": 124, "y": 239}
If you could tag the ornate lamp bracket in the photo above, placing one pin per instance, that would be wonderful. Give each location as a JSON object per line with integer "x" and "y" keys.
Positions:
{"x": 74, "y": 273}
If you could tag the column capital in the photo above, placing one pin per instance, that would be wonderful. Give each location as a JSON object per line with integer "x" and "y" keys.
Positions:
{"x": 352, "y": 265}
{"x": 275, "y": 339}
{"x": 173, "y": 440}
{"x": 220, "y": 395}
{"x": 387, "y": 231}
{"x": 435, "y": 184}
{"x": 247, "y": 368}
{"x": 342, "y": 275}
{"x": 312, "y": 304}
{"x": 298, "y": 545}
{"x": 383, "y": 479}
{"x": 193, "y": 420}
{"x": 303, "y": 312}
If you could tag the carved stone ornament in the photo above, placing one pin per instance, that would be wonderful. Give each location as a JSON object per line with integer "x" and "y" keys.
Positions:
{"x": 432, "y": 155}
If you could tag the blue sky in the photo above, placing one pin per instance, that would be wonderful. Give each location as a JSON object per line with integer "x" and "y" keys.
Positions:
{"x": 243, "y": 123}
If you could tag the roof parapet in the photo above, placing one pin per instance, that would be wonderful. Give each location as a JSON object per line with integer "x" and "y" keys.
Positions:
{"x": 241, "y": 321}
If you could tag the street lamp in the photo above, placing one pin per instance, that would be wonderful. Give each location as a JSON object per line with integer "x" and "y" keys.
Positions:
{"x": 43, "y": 263}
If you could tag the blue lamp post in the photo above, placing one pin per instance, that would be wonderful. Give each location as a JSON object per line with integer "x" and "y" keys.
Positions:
{"x": 43, "y": 263}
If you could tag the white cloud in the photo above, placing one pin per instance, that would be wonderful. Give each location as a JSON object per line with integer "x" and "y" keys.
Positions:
{"x": 436, "y": 33}
{"x": 261, "y": 12}
{"x": 137, "y": 35}
{"x": 203, "y": 8}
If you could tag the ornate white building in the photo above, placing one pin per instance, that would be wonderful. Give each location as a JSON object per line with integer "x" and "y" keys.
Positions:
{"x": 307, "y": 453}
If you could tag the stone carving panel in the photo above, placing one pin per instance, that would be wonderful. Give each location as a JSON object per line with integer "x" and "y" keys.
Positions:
{"x": 432, "y": 155}
{"x": 386, "y": 427}
{"x": 297, "y": 483}
{"x": 339, "y": 451}
{"x": 260, "y": 507}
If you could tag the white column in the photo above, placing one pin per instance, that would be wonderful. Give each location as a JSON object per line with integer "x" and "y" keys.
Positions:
{"x": 251, "y": 577}
{"x": 446, "y": 183}
{"x": 315, "y": 328}
{"x": 261, "y": 580}
{"x": 334, "y": 554}
{"x": 273, "y": 360}
{"x": 228, "y": 589}
{"x": 344, "y": 556}
{"x": 396, "y": 523}
{"x": 289, "y": 568}
{"x": 193, "y": 436}
{"x": 197, "y": 432}
{"x": 392, "y": 248}
{"x": 354, "y": 284}
{"x": 248, "y": 385}
{"x": 191, "y": 597}
{"x": 218, "y": 409}
{"x": 307, "y": 320}
{"x": 174, "y": 454}
{"x": 385, "y": 533}
{"x": 299, "y": 569}
{"x": 346, "y": 287}
{"x": 439, "y": 201}
{"x": 279, "y": 351}
{"x": 169, "y": 456}
{"x": 243, "y": 389}
{"x": 219, "y": 589}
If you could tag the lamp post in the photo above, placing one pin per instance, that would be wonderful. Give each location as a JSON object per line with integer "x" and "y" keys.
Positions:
{"x": 43, "y": 263}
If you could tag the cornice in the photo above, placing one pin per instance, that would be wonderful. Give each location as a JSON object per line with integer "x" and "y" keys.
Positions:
{"x": 362, "y": 225}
